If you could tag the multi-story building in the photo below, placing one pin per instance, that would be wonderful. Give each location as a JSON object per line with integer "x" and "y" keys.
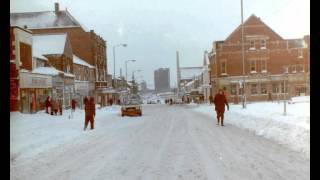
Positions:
{"x": 28, "y": 90}
{"x": 162, "y": 80}
{"x": 86, "y": 45}
{"x": 272, "y": 65}
{"x": 84, "y": 83}
{"x": 57, "y": 49}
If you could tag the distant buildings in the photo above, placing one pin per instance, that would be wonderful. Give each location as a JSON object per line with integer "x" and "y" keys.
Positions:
{"x": 162, "y": 80}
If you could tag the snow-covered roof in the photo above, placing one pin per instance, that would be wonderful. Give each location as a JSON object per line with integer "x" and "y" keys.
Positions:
{"x": 45, "y": 19}
{"x": 37, "y": 55}
{"x": 77, "y": 60}
{"x": 50, "y": 71}
{"x": 190, "y": 72}
{"x": 49, "y": 44}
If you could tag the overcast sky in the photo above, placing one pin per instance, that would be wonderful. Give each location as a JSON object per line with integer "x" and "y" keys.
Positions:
{"x": 155, "y": 29}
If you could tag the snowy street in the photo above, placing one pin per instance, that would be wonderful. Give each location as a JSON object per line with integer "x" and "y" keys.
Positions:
{"x": 167, "y": 142}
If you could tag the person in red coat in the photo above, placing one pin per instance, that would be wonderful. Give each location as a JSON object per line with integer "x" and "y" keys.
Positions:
{"x": 48, "y": 104}
{"x": 220, "y": 101}
{"x": 73, "y": 104}
{"x": 90, "y": 113}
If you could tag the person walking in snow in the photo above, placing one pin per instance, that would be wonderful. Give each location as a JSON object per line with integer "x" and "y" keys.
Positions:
{"x": 48, "y": 104}
{"x": 220, "y": 101}
{"x": 90, "y": 112}
{"x": 73, "y": 105}
{"x": 54, "y": 107}
{"x": 60, "y": 106}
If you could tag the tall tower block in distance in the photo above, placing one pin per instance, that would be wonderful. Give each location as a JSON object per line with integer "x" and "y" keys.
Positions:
{"x": 178, "y": 72}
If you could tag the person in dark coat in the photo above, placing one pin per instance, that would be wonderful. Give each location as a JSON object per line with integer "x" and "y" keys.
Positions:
{"x": 60, "y": 106}
{"x": 54, "y": 107}
{"x": 111, "y": 102}
{"x": 90, "y": 112}
{"x": 85, "y": 101}
{"x": 73, "y": 104}
{"x": 48, "y": 104}
{"x": 220, "y": 101}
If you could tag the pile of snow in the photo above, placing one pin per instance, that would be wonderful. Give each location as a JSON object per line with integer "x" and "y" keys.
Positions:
{"x": 267, "y": 119}
{"x": 300, "y": 99}
{"x": 31, "y": 134}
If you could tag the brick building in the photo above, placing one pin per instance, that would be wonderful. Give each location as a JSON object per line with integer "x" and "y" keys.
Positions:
{"x": 84, "y": 79}
{"x": 86, "y": 45}
{"x": 272, "y": 64}
{"x": 57, "y": 49}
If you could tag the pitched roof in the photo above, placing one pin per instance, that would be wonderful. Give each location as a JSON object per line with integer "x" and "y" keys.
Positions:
{"x": 50, "y": 71}
{"x": 49, "y": 43}
{"x": 45, "y": 19}
{"x": 77, "y": 60}
{"x": 253, "y": 18}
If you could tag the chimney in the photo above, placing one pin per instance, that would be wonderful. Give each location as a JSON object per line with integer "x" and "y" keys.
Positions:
{"x": 56, "y": 8}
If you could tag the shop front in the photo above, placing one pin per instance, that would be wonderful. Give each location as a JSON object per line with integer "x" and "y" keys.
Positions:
{"x": 34, "y": 89}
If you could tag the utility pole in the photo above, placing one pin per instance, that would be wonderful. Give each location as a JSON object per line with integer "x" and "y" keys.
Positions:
{"x": 243, "y": 61}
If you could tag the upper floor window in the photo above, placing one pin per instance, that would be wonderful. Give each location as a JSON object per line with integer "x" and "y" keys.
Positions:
{"x": 252, "y": 66}
{"x": 263, "y": 44}
{"x": 223, "y": 67}
{"x": 300, "y": 53}
{"x": 300, "y": 68}
{"x": 293, "y": 69}
{"x": 252, "y": 45}
{"x": 263, "y": 65}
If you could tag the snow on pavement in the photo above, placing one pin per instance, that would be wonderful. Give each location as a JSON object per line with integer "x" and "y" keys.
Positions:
{"x": 267, "y": 119}
{"x": 167, "y": 142}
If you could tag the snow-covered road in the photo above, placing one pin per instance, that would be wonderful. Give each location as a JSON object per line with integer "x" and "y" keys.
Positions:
{"x": 167, "y": 142}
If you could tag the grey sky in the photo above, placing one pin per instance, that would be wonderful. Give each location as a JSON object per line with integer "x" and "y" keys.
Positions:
{"x": 155, "y": 29}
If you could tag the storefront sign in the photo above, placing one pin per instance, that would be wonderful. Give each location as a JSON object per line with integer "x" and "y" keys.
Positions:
{"x": 30, "y": 80}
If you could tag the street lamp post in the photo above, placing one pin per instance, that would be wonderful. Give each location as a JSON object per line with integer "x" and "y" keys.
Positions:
{"x": 284, "y": 92}
{"x": 114, "y": 58}
{"x": 243, "y": 61}
{"x": 133, "y": 82}
{"x": 126, "y": 67}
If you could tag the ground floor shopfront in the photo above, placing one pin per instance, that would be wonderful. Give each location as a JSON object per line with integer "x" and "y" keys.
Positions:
{"x": 83, "y": 89}
{"x": 34, "y": 89}
{"x": 262, "y": 88}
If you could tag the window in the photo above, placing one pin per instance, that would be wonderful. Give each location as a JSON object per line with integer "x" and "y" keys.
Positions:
{"x": 263, "y": 88}
{"x": 300, "y": 68}
{"x": 233, "y": 89}
{"x": 25, "y": 56}
{"x": 252, "y": 45}
{"x": 254, "y": 89}
{"x": 284, "y": 88}
{"x": 275, "y": 88}
{"x": 286, "y": 69}
{"x": 253, "y": 66}
{"x": 263, "y": 44}
{"x": 293, "y": 69}
{"x": 263, "y": 65}
{"x": 300, "y": 53}
{"x": 223, "y": 67}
